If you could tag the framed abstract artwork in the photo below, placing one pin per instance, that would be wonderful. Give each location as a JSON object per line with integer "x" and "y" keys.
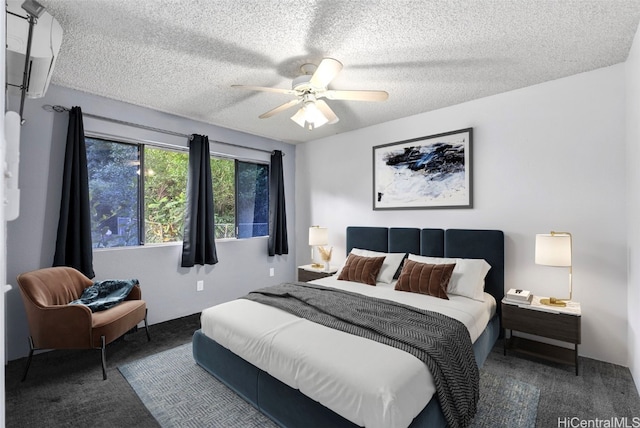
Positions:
{"x": 425, "y": 172}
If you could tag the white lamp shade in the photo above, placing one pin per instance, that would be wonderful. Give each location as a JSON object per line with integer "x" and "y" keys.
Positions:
{"x": 299, "y": 117}
{"x": 309, "y": 116}
{"x": 318, "y": 235}
{"x": 553, "y": 250}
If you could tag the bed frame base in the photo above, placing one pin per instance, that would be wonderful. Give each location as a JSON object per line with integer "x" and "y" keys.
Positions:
{"x": 289, "y": 407}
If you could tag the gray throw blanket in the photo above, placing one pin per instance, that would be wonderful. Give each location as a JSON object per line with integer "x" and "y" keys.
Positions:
{"x": 103, "y": 295}
{"x": 441, "y": 342}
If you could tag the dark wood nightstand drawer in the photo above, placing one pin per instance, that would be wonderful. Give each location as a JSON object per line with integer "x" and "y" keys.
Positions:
{"x": 562, "y": 327}
{"x": 309, "y": 275}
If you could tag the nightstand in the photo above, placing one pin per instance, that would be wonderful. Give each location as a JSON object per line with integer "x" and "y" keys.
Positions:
{"x": 560, "y": 323}
{"x": 306, "y": 273}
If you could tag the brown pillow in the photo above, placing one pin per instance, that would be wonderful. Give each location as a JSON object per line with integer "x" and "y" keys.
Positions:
{"x": 425, "y": 278}
{"x": 361, "y": 269}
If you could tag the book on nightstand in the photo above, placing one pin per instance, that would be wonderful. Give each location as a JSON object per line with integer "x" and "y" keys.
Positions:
{"x": 518, "y": 297}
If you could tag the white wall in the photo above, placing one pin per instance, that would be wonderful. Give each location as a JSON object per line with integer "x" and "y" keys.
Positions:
{"x": 633, "y": 210}
{"x": 168, "y": 289}
{"x": 3, "y": 240}
{"x": 546, "y": 157}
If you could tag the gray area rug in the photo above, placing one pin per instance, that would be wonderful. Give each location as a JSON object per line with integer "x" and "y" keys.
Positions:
{"x": 179, "y": 393}
{"x": 506, "y": 402}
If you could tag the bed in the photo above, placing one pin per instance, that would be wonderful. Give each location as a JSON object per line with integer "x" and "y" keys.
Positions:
{"x": 279, "y": 387}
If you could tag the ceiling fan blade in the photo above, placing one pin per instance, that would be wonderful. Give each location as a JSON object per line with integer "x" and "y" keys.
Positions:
{"x": 356, "y": 95}
{"x": 280, "y": 108}
{"x": 326, "y": 71}
{"x": 265, "y": 89}
{"x": 327, "y": 112}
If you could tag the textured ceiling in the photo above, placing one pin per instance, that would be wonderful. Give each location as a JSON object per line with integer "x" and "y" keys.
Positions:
{"x": 182, "y": 56}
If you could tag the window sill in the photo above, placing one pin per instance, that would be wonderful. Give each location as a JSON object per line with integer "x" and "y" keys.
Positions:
{"x": 172, "y": 244}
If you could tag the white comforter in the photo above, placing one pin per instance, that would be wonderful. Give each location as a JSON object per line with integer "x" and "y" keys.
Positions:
{"x": 368, "y": 383}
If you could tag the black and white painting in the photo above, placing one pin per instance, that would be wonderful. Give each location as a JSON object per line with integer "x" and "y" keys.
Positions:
{"x": 425, "y": 172}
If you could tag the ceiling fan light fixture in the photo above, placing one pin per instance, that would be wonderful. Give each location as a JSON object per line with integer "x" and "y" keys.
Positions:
{"x": 314, "y": 115}
{"x": 309, "y": 116}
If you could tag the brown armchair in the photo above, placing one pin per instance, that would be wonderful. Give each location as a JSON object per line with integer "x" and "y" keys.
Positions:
{"x": 54, "y": 324}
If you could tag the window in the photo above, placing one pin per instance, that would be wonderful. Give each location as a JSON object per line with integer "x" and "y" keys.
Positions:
{"x": 113, "y": 193}
{"x": 253, "y": 209}
{"x": 129, "y": 208}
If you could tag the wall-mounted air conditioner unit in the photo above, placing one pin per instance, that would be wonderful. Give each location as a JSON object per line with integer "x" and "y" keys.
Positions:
{"x": 45, "y": 45}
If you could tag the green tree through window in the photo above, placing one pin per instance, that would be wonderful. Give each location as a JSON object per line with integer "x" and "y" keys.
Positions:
{"x": 165, "y": 194}
{"x": 120, "y": 195}
{"x": 224, "y": 189}
{"x": 113, "y": 193}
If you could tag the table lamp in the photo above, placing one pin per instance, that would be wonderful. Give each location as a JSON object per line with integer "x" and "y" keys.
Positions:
{"x": 554, "y": 249}
{"x": 317, "y": 236}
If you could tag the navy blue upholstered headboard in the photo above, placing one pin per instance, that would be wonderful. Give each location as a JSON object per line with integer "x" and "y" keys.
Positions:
{"x": 480, "y": 244}
{"x": 368, "y": 238}
{"x": 461, "y": 243}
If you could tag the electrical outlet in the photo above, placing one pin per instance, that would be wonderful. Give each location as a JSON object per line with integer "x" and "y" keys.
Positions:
{"x": 200, "y": 285}
{"x": 272, "y": 271}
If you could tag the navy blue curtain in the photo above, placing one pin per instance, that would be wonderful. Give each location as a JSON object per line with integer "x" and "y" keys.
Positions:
{"x": 199, "y": 244}
{"x": 278, "y": 243}
{"x": 73, "y": 242}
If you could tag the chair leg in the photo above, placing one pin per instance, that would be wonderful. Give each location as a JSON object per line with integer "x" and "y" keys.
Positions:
{"x": 31, "y": 349}
{"x": 103, "y": 351}
{"x": 146, "y": 325}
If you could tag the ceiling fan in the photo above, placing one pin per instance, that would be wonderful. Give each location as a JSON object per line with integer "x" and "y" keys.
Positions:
{"x": 310, "y": 88}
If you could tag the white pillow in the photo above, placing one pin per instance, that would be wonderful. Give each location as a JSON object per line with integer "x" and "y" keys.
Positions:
{"x": 467, "y": 278}
{"x": 389, "y": 266}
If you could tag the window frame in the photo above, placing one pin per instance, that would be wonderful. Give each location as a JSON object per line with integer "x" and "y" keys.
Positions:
{"x": 140, "y": 143}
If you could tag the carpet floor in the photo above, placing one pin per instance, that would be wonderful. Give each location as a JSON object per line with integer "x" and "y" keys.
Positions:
{"x": 181, "y": 394}
{"x": 65, "y": 388}
{"x": 601, "y": 392}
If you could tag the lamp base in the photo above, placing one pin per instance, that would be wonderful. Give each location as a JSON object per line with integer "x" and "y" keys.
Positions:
{"x": 317, "y": 265}
{"x": 552, "y": 301}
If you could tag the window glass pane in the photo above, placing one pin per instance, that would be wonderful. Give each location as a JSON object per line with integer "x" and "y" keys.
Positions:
{"x": 253, "y": 200}
{"x": 113, "y": 189}
{"x": 117, "y": 194}
{"x": 224, "y": 204}
{"x": 165, "y": 194}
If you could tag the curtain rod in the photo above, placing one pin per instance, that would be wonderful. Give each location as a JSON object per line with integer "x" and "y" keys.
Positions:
{"x": 61, "y": 109}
